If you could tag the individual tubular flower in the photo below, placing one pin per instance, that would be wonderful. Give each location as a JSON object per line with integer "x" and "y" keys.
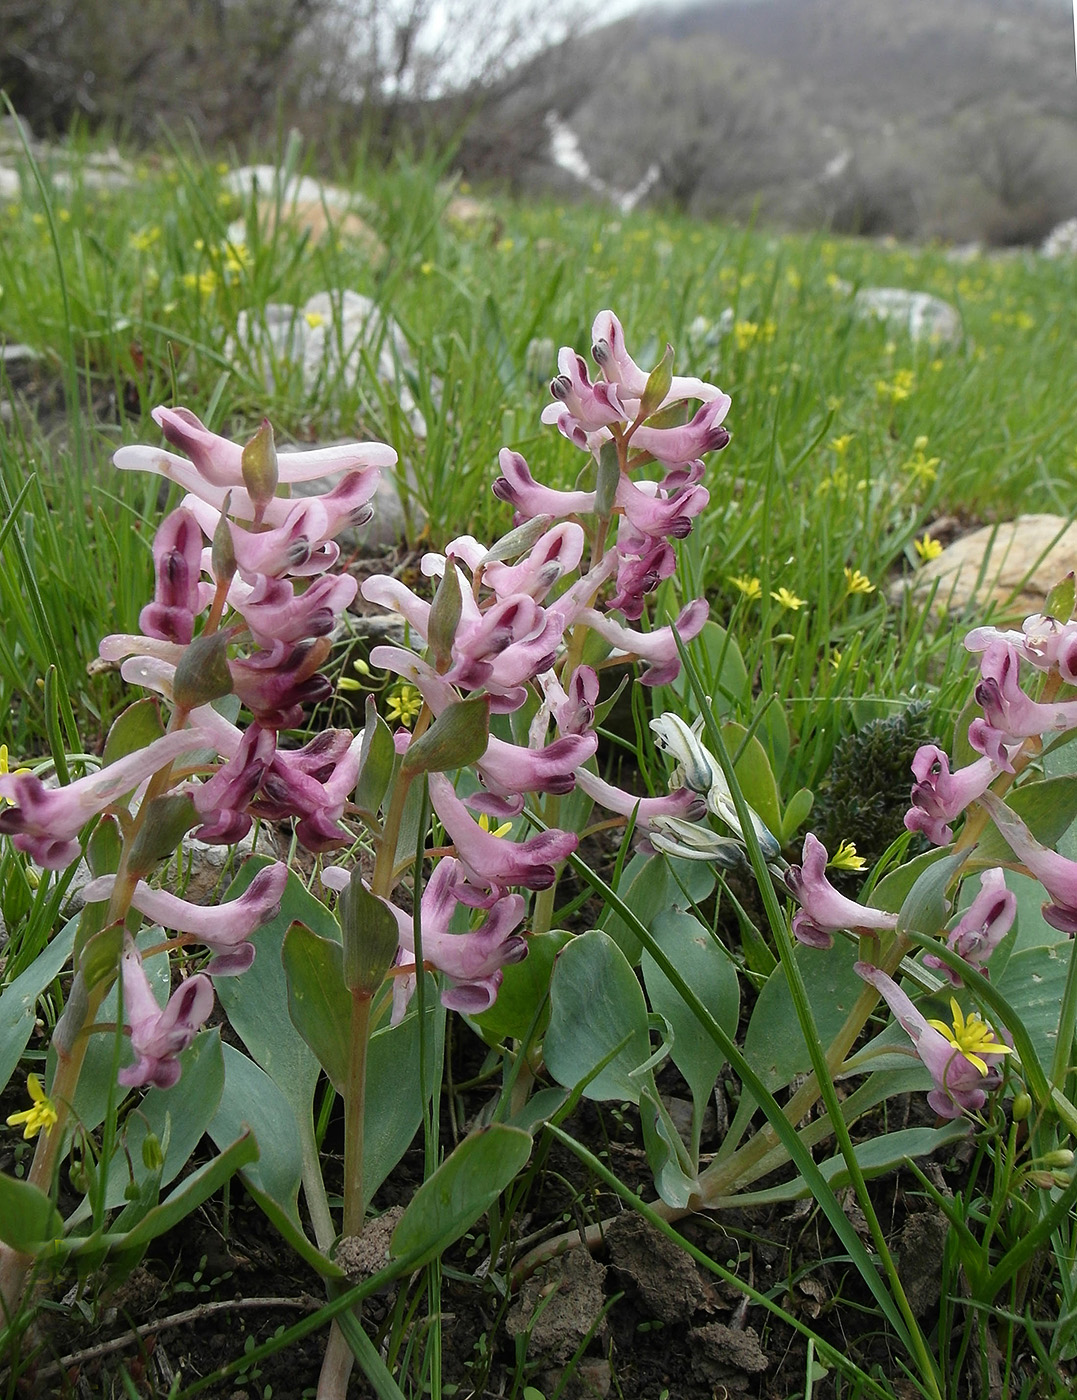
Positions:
{"x": 224, "y": 928}
{"x": 678, "y": 446}
{"x": 313, "y": 784}
{"x": 824, "y": 910}
{"x": 578, "y": 402}
{"x": 507, "y": 768}
{"x": 159, "y": 1035}
{"x": 982, "y": 927}
{"x": 218, "y": 460}
{"x": 178, "y": 594}
{"x": 610, "y": 353}
{"x": 276, "y": 684}
{"x": 658, "y": 648}
{"x": 1009, "y": 714}
{"x": 963, "y": 1059}
{"x": 490, "y": 860}
{"x": 1044, "y": 642}
{"x": 45, "y": 822}
{"x": 274, "y": 611}
{"x": 681, "y": 803}
{"x": 528, "y": 498}
{"x": 472, "y": 961}
{"x": 1055, "y": 873}
{"x": 938, "y": 796}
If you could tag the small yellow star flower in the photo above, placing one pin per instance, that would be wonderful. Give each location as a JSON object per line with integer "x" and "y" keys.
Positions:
{"x": 840, "y": 445}
{"x": 403, "y": 704}
{"x": 313, "y": 319}
{"x": 745, "y": 334}
{"x": 40, "y": 1116}
{"x": 856, "y": 582}
{"x": 145, "y": 238}
{"x": 846, "y": 858}
{"x": 927, "y": 547}
{"x": 749, "y": 586}
{"x": 787, "y": 599}
{"x": 971, "y": 1036}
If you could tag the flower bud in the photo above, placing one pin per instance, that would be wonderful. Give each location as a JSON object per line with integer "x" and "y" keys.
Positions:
{"x": 1043, "y": 1181}
{"x": 445, "y": 616}
{"x": 259, "y": 467}
{"x": 659, "y": 382}
{"x": 370, "y": 934}
{"x": 202, "y": 674}
{"x": 153, "y": 1157}
{"x": 1060, "y": 1157}
{"x": 1022, "y": 1107}
{"x": 223, "y": 554}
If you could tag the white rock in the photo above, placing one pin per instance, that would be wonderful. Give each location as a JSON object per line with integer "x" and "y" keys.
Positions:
{"x": 264, "y": 181}
{"x": 330, "y": 338}
{"x": 921, "y": 315}
{"x": 1061, "y": 242}
{"x": 1014, "y": 565}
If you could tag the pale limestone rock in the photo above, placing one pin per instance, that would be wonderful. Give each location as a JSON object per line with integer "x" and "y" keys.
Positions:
{"x": 921, "y": 315}
{"x": 331, "y": 338}
{"x": 1014, "y": 565}
{"x": 1061, "y": 242}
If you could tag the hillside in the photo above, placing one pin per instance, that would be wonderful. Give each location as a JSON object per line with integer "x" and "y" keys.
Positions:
{"x": 955, "y": 120}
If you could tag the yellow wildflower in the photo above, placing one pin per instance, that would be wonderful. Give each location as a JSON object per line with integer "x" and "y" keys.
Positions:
{"x": 205, "y": 283}
{"x": 846, "y": 858}
{"x": 748, "y": 585}
{"x": 840, "y": 445}
{"x": 927, "y": 547}
{"x": 971, "y": 1036}
{"x": 40, "y": 1116}
{"x": 898, "y": 388}
{"x": 787, "y": 599}
{"x": 502, "y": 830}
{"x": 403, "y": 704}
{"x": 745, "y": 334}
{"x": 313, "y": 318}
{"x": 856, "y": 582}
{"x": 144, "y": 239}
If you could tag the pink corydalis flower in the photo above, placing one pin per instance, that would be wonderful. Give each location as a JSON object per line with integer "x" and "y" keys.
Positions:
{"x": 982, "y": 927}
{"x": 224, "y": 928}
{"x": 274, "y": 611}
{"x": 178, "y": 593}
{"x": 824, "y": 910}
{"x": 963, "y": 1060}
{"x": 611, "y": 355}
{"x": 1056, "y": 874}
{"x": 528, "y": 498}
{"x": 586, "y": 405}
{"x": 658, "y": 648}
{"x": 701, "y": 434}
{"x": 1009, "y": 714}
{"x": 471, "y": 961}
{"x": 45, "y": 822}
{"x": 1044, "y": 642}
{"x": 939, "y": 796}
{"x": 219, "y": 461}
{"x": 682, "y": 802}
{"x": 492, "y": 860}
{"x": 159, "y": 1035}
